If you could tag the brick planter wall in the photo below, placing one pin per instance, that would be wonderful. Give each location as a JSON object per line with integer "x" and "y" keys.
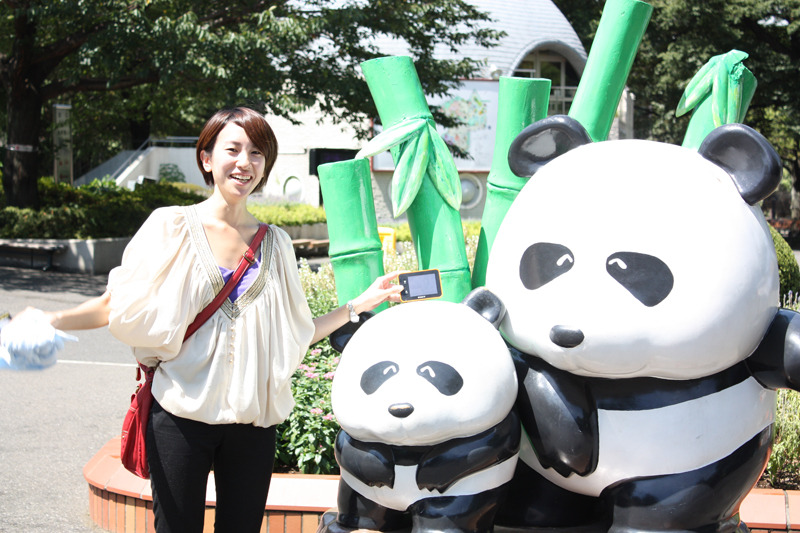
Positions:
{"x": 122, "y": 503}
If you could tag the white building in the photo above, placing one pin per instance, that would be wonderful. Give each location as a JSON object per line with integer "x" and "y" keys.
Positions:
{"x": 539, "y": 42}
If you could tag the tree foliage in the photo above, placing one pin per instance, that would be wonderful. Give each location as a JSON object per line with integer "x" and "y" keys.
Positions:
{"x": 684, "y": 34}
{"x": 135, "y": 67}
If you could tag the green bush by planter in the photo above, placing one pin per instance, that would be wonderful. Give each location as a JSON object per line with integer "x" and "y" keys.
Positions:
{"x": 101, "y": 209}
{"x": 403, "y": 232}
{"x": 788, "y": 271}
{"x": 305, "y": 439}
{"x": 98, "y": 210}
{"x": 288, "y": 214}
{"x": 783, "y": 470}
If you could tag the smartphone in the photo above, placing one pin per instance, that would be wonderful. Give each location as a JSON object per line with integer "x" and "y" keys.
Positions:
{"x": 420, "y": 285}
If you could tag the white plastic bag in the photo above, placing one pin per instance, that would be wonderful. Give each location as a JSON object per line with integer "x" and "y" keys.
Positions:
{"x": 30, "y": 342}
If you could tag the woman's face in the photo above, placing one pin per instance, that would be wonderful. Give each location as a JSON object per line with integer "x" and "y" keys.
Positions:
{"x": 236, "y": 164}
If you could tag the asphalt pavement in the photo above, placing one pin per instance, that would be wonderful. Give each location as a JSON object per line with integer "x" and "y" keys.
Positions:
{"x": 53, "y": 421}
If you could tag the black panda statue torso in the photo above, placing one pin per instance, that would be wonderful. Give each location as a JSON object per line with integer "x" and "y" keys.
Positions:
{"x": 641, "y": 289}
{"x": 424, "y": 393}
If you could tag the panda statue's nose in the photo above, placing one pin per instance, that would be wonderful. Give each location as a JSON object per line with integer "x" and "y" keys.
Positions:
{"x": 566, "y": 336}
{"x": 401, "y": 410}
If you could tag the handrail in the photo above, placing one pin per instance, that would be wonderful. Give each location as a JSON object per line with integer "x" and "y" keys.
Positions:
{"x": 127, "y": 162}
{"x": 150, "y": 141}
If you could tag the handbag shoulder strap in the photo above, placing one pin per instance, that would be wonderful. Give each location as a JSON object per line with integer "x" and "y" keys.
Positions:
{"x": 248, "y": 258}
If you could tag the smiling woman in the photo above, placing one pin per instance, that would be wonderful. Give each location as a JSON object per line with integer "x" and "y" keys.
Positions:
{"x": 219, "y": 392}
{"x": 258, "y": 136}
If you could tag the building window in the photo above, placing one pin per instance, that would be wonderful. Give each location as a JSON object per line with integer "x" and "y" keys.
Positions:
{"x": 553, "y": 66}
{"x": 320, "y": 156}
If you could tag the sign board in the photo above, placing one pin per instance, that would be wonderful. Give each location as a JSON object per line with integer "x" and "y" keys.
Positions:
{"x": 62, "y": 144}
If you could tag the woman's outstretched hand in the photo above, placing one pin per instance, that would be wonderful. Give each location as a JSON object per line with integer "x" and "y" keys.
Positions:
{"x": 381, "y": 290}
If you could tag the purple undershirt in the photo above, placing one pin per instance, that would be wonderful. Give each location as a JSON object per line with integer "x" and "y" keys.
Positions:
{"x": 247, "y": 279}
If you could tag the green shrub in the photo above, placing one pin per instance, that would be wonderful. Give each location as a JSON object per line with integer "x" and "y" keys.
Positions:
{"x": 170, "y": 173}
{"x": 288, "y": 214}
{"x": 789, "y": 272}
{"x": 48, "y": 223}
{"x": 783, "y": 470}
{"x": 405, "y": 260}
{"x": 306, "y": 437}
{"x": 193, "y": 188}
{"x": 97, "y": 210}
{"x": 403, "y": 231}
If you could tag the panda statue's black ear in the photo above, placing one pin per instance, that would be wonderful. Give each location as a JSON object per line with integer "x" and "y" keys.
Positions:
{"x": 747, "y": 156}
{"x": 487, "y": 304}
{"x": 341, "y": 336}
{"x": 543, "y": 141}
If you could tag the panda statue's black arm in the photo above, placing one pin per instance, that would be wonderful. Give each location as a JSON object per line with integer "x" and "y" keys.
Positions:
{"x": 446, "y": 463}
{"x": 558, "y": 414}
{"x": 371, "y": 463}
{"x": 776, "y": 361}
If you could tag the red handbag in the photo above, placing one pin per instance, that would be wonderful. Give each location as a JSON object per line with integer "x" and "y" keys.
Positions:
{"x": 133, "y": 453}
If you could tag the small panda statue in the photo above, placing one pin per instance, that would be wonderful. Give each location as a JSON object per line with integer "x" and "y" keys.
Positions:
{"x": 424, "y": 394}
{"x": 641, "y": 291}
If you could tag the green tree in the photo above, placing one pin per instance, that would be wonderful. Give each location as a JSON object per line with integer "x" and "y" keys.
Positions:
{"x": 135, "y": 66}
{"x": 684, "y": 34}
{"x": 583, "y": 16}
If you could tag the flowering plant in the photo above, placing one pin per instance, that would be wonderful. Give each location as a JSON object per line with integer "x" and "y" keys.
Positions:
{"x": 306, "y": 438}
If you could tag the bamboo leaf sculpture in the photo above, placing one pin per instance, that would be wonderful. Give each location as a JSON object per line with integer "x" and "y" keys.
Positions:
{"x": 442, "y": 170}
{"x": 425, "y": 183}
{"x": 421, "y": 151}
{"x": 390, "y": 137}
{"x": 719, "y": 93}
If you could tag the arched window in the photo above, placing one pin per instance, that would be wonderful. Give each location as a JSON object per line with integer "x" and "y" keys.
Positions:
{"x": 548, "y": 64}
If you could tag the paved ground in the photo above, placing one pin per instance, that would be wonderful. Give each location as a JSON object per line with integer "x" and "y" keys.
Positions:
{"x": 53, "y": 421}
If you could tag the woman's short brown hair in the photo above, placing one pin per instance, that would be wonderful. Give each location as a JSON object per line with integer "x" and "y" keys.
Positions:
{"x": 254, "y": 125}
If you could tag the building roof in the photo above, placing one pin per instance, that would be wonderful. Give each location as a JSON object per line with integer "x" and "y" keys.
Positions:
{"x": 528, "y": 24}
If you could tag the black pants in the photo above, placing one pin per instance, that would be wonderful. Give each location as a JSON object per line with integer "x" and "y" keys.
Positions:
{"x": 180, "y": 454}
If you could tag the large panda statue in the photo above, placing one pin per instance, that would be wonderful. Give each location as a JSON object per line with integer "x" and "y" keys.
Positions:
{"x": 641, "y": 292}
{"x": 424, "y": 394}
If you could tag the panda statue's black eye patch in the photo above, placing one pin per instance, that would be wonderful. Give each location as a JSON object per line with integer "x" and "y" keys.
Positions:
{"x": 543, "y": 262}
{"x": 377, "y": 375}
{"x": 646, "y": 277}
{"x": 442, "y": 376}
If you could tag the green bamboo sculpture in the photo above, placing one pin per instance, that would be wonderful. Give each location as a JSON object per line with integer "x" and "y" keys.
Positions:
{"x": 355, "y": 246}
{"x": 425, "y": 184}
{"x": 619, "y": 33}
{"x": 719, "y": 93}
{"x": 521, "y": 101}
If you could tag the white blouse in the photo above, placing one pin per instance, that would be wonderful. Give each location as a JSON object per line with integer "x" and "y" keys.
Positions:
{"x": 237, "y": 367}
